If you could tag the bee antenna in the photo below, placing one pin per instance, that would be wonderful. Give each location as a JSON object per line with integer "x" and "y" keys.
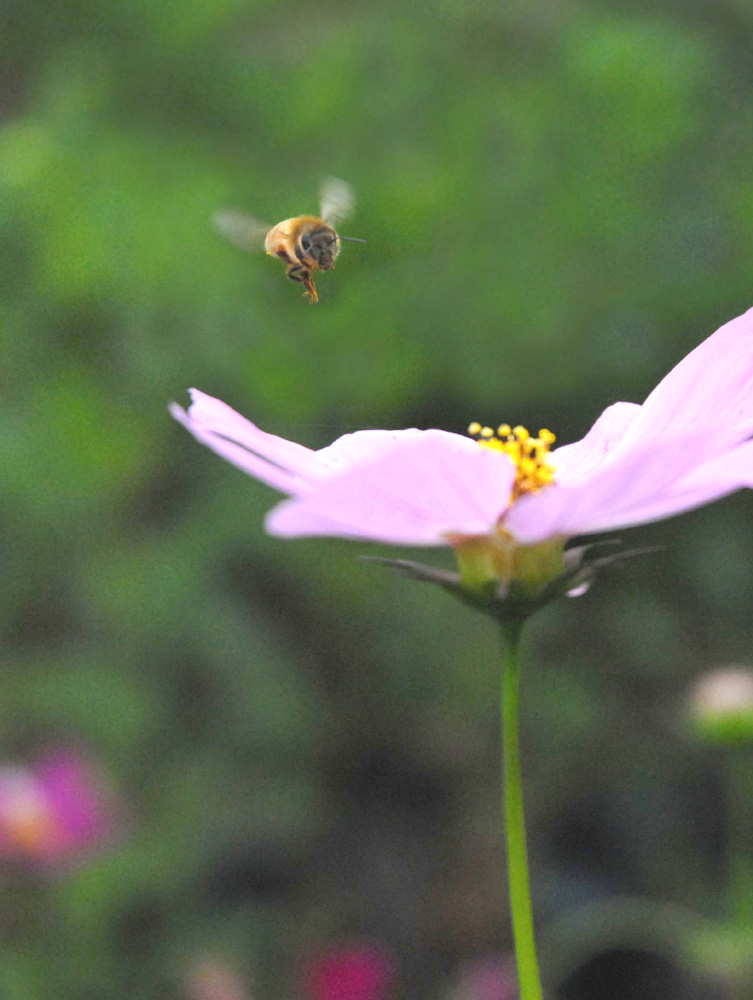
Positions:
{"x": 350, "y": 239}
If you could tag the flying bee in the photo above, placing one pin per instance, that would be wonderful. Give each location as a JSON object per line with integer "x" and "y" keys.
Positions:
{"x": 306, "y": 244}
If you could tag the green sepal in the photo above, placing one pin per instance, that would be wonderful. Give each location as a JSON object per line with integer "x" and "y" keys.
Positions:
{"x": 501, "y": 599}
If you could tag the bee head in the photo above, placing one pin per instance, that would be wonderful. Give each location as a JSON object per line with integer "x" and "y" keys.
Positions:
{"x": 321, "y": 246}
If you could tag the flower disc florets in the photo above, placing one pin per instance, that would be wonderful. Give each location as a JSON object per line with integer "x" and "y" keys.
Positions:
{"x": 530, "y": 455}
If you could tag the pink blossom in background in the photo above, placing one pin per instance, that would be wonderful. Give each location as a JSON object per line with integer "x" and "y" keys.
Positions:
{"x": 490, "y": 978}
{"x": 54, "y": 809}
{"x": 214, "y": 979}
{"x": 688, "y": 444}
{"x": 349, "y": 971}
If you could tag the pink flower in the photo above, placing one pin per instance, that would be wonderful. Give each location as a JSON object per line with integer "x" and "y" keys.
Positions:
{"x": 491, "y": 978}
{"x": 53, "y": 810}
{"x": 687, "y": 445}
{"x": 349, "y": 971}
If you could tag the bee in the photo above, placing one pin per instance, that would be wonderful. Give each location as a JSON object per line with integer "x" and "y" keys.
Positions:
{"x": 306, "y": 243}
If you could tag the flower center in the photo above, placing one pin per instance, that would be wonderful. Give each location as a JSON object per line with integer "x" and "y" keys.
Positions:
{"x": 530, "y": 455}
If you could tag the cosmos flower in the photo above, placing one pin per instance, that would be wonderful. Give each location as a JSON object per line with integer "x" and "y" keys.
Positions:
{"x": 355, "y": 970}
{"x": 506, "y": 492}
{"x": 52, "y": 810}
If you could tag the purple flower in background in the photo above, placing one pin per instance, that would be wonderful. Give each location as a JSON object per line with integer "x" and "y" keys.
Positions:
{"x": 688, "y": 444}
{"x": 54, "y": 809}
{"x": 355, "y": 970}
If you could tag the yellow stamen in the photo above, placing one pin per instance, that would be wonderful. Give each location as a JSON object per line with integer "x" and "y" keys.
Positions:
{"x": 530, "y": 455}
{"x": 546, "y": 436}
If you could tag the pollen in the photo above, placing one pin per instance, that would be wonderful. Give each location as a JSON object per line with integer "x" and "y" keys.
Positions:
{"x": 530, "y": 455}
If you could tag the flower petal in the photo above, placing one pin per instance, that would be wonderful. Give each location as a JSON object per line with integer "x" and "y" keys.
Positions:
{"x": 214, "y": 416}
{"x": 581, "y": 459}
{"x": 639, "y": 464}
{"x": 658, "y": 481}
{"x": 362, "y": 447}
{"x": 710, "y": 390}
{"x": 238, "y": 455}
{"x": 425, "y": 485}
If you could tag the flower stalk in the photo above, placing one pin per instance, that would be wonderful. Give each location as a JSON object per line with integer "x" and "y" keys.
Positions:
{"x": 739, "y": 790}
{"x": 512, "y": 796}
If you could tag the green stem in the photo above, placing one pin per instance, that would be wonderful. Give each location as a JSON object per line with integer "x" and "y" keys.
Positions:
{"x": 517, "y": 860}
{"x": 740, "y": 824}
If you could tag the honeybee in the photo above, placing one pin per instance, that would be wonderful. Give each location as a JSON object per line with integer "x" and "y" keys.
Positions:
{"x": 306, "y": 243}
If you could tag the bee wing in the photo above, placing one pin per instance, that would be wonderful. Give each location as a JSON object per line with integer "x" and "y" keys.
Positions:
{"x": 337, "y": 200}
{"x": 241, "y": 230}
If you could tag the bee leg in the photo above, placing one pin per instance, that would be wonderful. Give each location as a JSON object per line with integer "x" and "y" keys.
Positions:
{"x": 297, "y": 272}
{"x": 310, "y": 289}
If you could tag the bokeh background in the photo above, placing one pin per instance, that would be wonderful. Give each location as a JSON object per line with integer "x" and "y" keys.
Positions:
{"x": 558, "y": 204}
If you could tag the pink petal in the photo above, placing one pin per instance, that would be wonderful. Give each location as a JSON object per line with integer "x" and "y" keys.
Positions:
{"x": 362, "y": 447}
{"x": 242, "y": 455}
{"x": 284, "y": 465}
{"x": 583, "y": 458}
{"x": 716, "y": 478}
{"x": 710, "y": 390}
{"x": 74, "y": 798}
{"x": 424, "y": 485}
{"x": 660, "y": 481}
{"x": 213, "y": 415}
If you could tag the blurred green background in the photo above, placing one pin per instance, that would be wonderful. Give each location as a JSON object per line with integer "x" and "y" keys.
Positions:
{"x": 558, "y": 204}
